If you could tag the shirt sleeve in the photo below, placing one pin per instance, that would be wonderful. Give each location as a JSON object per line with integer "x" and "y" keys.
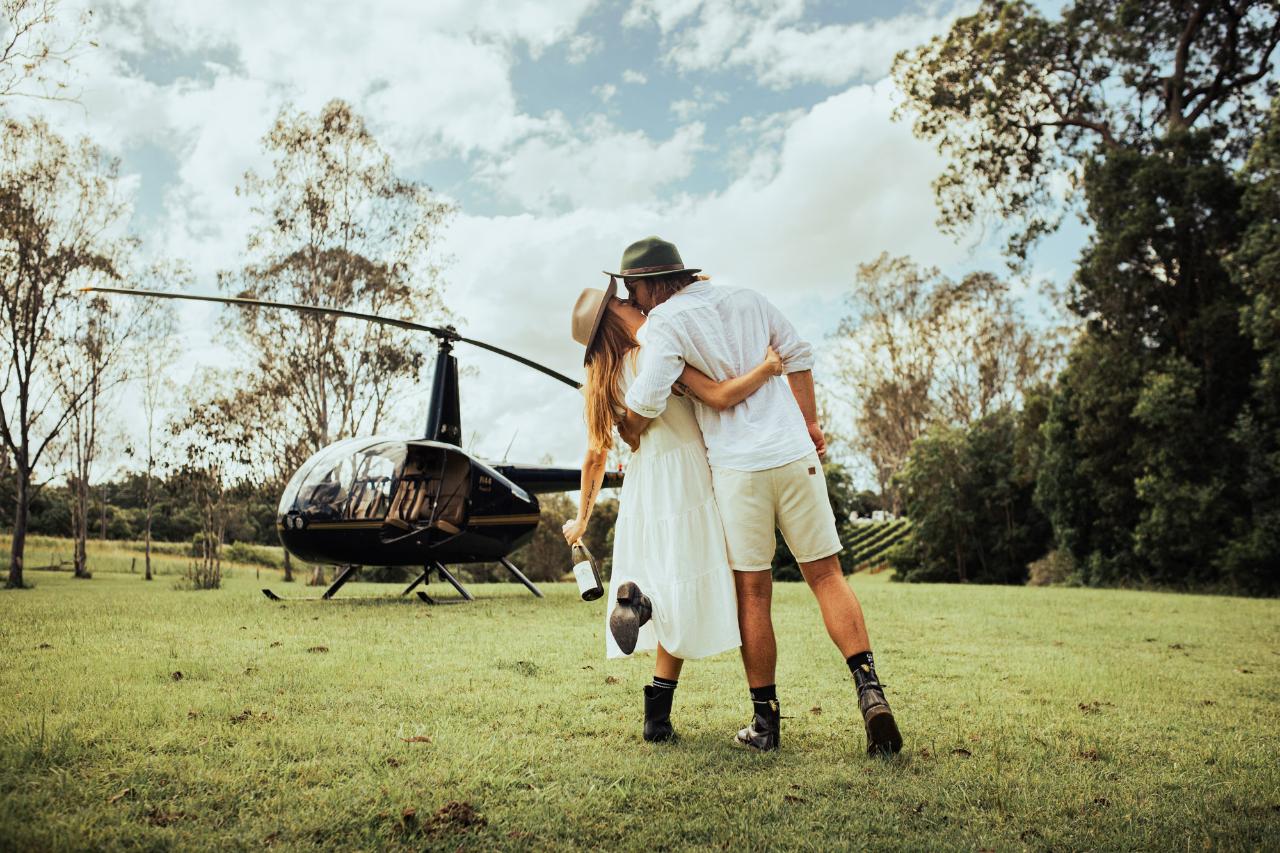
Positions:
{"x": 661, "y": 363}
{"x": 796, "y": 354}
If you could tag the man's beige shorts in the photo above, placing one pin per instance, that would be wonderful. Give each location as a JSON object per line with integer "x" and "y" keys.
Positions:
{"x": 792, "y": 497}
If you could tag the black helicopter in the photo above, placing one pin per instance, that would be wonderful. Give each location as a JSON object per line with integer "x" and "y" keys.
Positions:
{"x": 421, "y": 502}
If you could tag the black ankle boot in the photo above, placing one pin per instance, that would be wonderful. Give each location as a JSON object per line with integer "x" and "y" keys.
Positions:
{"x": 883, "y": 737}
{"x": 657, "y": 714}
{"x": 632, "y": 611}
{"x": 765, "y": 730}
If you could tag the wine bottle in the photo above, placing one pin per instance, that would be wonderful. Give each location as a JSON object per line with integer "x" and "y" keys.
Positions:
{"x": 587, "y": 572}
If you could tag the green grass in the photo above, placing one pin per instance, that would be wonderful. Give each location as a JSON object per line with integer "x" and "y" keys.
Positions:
{"x": 1035, "y": 718}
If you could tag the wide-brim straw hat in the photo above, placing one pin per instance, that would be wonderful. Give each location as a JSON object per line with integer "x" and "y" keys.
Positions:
{"x": 588, "y": 313}
{"x": 650, "y": 257}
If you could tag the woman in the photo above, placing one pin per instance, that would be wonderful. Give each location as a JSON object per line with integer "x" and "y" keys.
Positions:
{"x": 670, "y": 568}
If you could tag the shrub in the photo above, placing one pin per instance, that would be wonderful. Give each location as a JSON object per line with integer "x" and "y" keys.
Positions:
{"x": 1056, "y": 568}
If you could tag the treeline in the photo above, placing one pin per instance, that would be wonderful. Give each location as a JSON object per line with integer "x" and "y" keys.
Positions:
{"x": 117, "y": 511}
{"x": 1153, "y": 455}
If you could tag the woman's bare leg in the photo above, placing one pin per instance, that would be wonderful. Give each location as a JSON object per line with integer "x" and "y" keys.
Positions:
{"x": 668, "y": 666}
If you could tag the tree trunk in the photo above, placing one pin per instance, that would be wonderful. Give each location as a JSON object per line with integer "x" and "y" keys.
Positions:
{"x": 80, "y": 519}
{"x": 288, "y": 568}
{"x": 317, "y": 576}
{"x": 146, "y": 535}
{"x": 19, "y": 531}
{"x": 146, "y": 498}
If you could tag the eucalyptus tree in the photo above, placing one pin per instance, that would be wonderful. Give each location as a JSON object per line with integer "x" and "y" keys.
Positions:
{"x": 59, "y": 222}
{"x": 337, "y": 227}
{"x": 155, "y": 347}
{"x": 35, "y": 46}
{"x": 919, "y": 348}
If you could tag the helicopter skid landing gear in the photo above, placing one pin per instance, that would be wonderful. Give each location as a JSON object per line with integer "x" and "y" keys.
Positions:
{"x": 511, "y": 567}
{"x": 343, "y": 576}
{"x": 448, "y": 576}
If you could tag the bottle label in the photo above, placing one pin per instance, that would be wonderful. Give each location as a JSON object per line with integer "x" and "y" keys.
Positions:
{"x": 585, "y": 576}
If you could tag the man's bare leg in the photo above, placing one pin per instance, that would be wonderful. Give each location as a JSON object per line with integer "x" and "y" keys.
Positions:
{"x": 848, "y": 630}
{"x": 759, "y": 658}
{"x": 755, "y": 621}
{"x": 841, "y": 611}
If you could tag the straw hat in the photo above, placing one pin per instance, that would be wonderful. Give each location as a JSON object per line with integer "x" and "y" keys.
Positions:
{"x": 588, "y": 313}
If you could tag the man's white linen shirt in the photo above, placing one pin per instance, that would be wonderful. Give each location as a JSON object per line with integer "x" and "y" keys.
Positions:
{"x": 724, "y": 331}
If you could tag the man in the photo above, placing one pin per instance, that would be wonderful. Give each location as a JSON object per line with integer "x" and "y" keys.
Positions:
{"x": 765, "y": 456}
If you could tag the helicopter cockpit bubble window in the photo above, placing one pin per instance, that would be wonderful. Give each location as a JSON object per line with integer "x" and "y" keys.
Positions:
{"x": 352, "y": 480}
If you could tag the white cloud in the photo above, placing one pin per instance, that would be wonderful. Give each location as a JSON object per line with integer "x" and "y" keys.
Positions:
{"x": 701, "y": 103}
{"x": 597, "y": 166}
{"x": 582, "y": 47}
{"x": 844, "y": 184}
{"x": 605, "y": 91}
{"x": 770, "y": 38}
{"x": 816, "y": 189}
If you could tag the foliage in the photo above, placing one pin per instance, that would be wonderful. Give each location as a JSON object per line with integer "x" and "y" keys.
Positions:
{"x": 1053, "y": 569}
{"x": 58, "y": 214}
{"x": 1018, "y": 101}
{"x": 34, "y": 44}
{"x": 968, "y": 492}
{"x": 919, "y": 348}
{"x": 1086, "y": 478}
{"x": 1143, "y": 478}
{"x": 338, "y": 229}
{"x": 1155, "y": 458}
{"x": 1251, "y": 560}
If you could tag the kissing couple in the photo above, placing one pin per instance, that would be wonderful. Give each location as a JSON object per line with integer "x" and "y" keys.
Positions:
{"x": 691, "y": 375}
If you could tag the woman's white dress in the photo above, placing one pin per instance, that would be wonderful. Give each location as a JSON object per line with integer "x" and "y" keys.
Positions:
{"x": 669, "y": 540}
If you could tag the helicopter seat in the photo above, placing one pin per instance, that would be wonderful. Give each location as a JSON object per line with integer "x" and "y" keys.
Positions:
{"x": 451, "y": 508}
{"x": 404, "y": 503}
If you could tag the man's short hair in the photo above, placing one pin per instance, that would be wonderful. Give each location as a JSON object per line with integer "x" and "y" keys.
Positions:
{"x": 663, "y": 287}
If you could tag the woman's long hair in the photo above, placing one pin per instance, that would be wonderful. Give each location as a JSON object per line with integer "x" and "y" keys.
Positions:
{"x": 614, "y": 343}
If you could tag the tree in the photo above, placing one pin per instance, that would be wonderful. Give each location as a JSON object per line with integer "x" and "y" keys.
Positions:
{"x": 968, "y": 492}
{"x": 29, "y": 46}
{"x": 919, "y": 348}
{"x": 1152, "y": 281}
{"x": 1251, "y": 560}
{"x": 1019, "y": 102}
{"x": 154, "y": 352}
{"x": 210, "y": 439}
{"x": 1086, "y": 480}
{"x": 89, "y": 368}
{"x": 57, "y": 212}
{"x": 336, "y": 228}
{"x": 1145, "y": 109}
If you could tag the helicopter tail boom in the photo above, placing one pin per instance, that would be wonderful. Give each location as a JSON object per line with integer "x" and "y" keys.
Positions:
{"x": 539, "y": 479}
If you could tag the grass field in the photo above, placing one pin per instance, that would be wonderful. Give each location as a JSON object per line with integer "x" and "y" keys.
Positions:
{"x": 1035, "y": 718}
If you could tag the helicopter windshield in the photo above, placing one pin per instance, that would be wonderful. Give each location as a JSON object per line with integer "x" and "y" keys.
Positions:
{"x": 349, "y": 481}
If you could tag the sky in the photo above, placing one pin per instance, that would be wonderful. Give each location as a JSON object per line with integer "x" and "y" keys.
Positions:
{"x": 758, "y": 135}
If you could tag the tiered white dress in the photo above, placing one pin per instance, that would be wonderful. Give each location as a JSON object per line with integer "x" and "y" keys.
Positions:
{"x": 669, "y": 540}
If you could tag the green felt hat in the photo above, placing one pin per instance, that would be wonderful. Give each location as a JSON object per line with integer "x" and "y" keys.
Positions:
{"x": 650, "y": 257}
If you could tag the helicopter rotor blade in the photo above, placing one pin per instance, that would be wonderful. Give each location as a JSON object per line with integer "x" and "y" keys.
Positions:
{"x": 292, "y": 306}
{"x": 526, "y": 362}
{"x": 448, "y": 334}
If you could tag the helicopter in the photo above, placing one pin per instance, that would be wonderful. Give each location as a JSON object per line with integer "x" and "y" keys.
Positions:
{"x": 420, "y": 502}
